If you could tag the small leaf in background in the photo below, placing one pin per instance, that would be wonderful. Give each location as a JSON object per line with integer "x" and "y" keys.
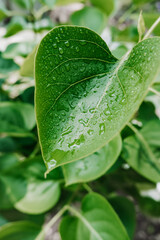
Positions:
{"x": 141, "y": 151}
{"x": 90, "y": 17}
{"x": 16, "y": 118}
{"x": 97, "y": 220}
{"x": 49, "y": 3}
{"x": 7, "y": 65}
{"x": 27, "y": 68}
{"x": 5, "y": 202}
{"x": 141, "y": 26}
{"x": 7, "y": 145}
{"x": 8, "y": 161}
{"x": 18, "y": 49}
{"x": 150, "y": 18}
{"x": 19, "y": 230}
{"x": 16, "y": 25}
{"x": 146, "y": 112}
{"x": 24, "y": 4}
{"x": 106, "y": 6}
{"x": 66, "y": 2}
{"x": 78, "y": 112}
{"x": 95, "y": 165}
{"x": 126, "y": 211}
{"x": 141, "y": 2}
{"x": 3, "y": 13}
{"x": 120, "y": 51}
{"x": 2, "y": 220}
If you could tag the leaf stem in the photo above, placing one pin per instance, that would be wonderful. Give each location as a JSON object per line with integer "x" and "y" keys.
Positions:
{"x": 154, "y": 91}
{"x": 51, "y": 223}
{"x": 152, "y": 28}
{"x": 35, "y": 150}
{"x": 87, "y": 187}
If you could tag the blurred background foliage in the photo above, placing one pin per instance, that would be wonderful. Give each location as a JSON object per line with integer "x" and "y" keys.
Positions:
{"x": 27, "y": 200}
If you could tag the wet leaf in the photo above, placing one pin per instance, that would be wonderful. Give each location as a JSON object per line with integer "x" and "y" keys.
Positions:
{"x": 84, "y": 95}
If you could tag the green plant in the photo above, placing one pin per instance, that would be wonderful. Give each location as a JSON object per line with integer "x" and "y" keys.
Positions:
{"x": 97, "y": 116}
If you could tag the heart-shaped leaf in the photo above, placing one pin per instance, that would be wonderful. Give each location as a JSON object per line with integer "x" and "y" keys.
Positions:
{"x": 95, "y": 165}
{"x": 97, "y": 221}
{"x": 84, "y": 95}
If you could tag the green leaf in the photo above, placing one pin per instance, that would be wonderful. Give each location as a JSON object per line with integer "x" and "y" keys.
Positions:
{"x": 84, "y": 96}
{"x": 3, "y": 13}
{"x": 120, "y": 51}
{"x": 150, "y": 18}
{"x": 97, "y": 220}
{"x": 95, "y": 165}
{"x": 16, "y": 119}
{"x": 8, "y": 161}
{"x": 49, "y": 3}
{"x": 27, "y": 68}
{"x": 40, "y": 196}
{"x": 7, "y": 145}
{"x": 141, "y": 2}
{"x": 2, "y": 220}
{"x": 18, "y": 49}
{"x": 141, "y": 151}
{"x": 89, "y": 17}
{"x": 19, "y": 230}
{"x": 5, "y": 202}
{"x": 126, "y": 212}
{"x": 24, "y": 4}
{"x": 141, "y": 26}
{"x": 66, "y": 2}
{"x": 106, "y": 6}
{"x": 31, "y": 195}
{"x": 7, "y": 65}
{"x": 16, "y": 25}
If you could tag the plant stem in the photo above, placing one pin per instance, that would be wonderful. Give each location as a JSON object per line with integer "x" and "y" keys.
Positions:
{"x": 51, "y": 223}
{"x": 35, "y": 150}
{"x": 154, "y": 91}
{"x": 152, "y": 28}
{"x": 87, "y": 188}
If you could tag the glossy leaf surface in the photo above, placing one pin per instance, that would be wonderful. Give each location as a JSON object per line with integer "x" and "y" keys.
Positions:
{"x": 97, "y": 221}
{"x": 84, "y": 95}
{"x": 95, "y": 165}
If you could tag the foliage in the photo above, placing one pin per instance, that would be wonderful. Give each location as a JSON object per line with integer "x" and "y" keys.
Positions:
{"x": 87, "y": 148}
